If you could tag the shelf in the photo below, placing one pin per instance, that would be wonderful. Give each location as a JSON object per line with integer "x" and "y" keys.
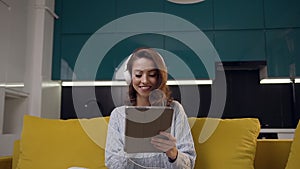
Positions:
{"x": 282, "y": 133}
{"x": 277, "y": 130}
{"x": 15, "y": 94}
{"x": 14, "y": 102}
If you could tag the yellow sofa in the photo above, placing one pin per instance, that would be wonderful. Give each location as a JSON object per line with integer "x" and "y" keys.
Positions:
{"x": 269, "y": 154}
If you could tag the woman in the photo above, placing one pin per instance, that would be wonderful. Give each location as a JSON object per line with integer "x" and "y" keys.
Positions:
{"x": 147, "y": 72}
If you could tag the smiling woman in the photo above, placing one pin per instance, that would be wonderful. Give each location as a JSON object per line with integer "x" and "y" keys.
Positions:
{"x": 146, "y": 75}
{"x": 145, "y": 71}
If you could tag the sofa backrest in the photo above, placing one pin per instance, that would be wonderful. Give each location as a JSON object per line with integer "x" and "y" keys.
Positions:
{"x": 269, "y": 153}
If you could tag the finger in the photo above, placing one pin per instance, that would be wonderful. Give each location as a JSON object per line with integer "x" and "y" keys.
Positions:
{"x": 162, "y": 148}
{"x": 168, "y": 135}
{"x": 163, "y": 141}
{"x": 159, "y": 148}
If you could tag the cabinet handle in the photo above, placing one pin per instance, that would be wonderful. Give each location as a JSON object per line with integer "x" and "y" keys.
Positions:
{"x": 48, "y": 10}
{"x": 6, "y": 4}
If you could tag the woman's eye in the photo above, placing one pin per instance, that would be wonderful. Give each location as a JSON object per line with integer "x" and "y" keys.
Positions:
{"x": 152, "y": 75}
{"x": 138, "y": 76}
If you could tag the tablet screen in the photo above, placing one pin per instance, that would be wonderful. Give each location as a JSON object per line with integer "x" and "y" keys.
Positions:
{"x": 143, "y": 123}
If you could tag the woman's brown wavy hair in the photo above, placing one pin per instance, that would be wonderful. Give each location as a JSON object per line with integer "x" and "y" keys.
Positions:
{"x": 159, "y": 63}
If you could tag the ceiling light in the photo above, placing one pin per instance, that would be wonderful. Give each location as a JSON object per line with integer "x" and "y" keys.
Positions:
{"x": 185, "y": 1}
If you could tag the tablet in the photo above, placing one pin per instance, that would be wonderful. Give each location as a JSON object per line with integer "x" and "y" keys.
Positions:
{"x": 144, "y": 122}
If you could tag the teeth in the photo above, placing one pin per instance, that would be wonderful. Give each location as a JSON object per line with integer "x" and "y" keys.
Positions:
{"x": 145, "y": 87}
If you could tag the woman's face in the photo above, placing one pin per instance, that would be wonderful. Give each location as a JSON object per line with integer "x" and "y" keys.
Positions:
{"x": 144, "y": 77}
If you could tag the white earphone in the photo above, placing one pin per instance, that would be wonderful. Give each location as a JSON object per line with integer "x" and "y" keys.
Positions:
{"x": 127, "y": 74}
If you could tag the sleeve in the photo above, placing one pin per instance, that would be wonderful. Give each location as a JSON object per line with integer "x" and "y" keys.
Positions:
{"x": 186, "y": 151}
{"x": 114, "y": 152}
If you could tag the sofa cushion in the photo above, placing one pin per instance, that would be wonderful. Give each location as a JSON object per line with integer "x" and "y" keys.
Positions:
{"x": 225, "y": 143}
{"x": 272, "y": 153}
{"x": 294, "y": 156}
{"x": 49, "y": 143}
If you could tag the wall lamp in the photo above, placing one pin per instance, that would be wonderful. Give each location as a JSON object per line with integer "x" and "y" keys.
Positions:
{"x": 18, "y": 85}
{"x": 278, "y": 81}
{"x": 264, "y": 79}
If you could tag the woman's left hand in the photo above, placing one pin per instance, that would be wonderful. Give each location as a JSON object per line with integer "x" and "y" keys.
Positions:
{"x": 167, "y": 145}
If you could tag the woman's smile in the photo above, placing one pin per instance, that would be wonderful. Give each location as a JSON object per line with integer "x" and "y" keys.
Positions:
{"x": 144, "y": 76}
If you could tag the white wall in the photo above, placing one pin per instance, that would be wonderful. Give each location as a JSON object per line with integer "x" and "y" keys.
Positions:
{"x": 15, "y": 66}
{"x": 26, "y": 33}
{"x": 51, "y": 95}
{"x": 5, "y": 21}
{"x": 13, "y": 55}
{"x": 39, "y": 62}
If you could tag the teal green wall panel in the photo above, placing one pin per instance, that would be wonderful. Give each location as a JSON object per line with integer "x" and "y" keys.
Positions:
{"x": 185, "y": 64}
{"x": 240, "y": 30}
{"x": 240, "y": 45}
{"x": 238, "y": 14}
{"x": 71, "y": 46}
{"x": 56, "y": 59}
{"x": 210, "y": 35}
{"x": 282, "y": 14}
{"x": 118, "y": 53}
{"x": 127, "y": 7}
{"x": 80, "y": 16}
{"x": 200, "y": 14}
{"x": 282, "y": 51}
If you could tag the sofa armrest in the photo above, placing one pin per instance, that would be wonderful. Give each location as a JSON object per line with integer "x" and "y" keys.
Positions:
{"x": 6, "y": 162}
{"x": 16, "y": 154}
{"x": 272, "y": 153}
